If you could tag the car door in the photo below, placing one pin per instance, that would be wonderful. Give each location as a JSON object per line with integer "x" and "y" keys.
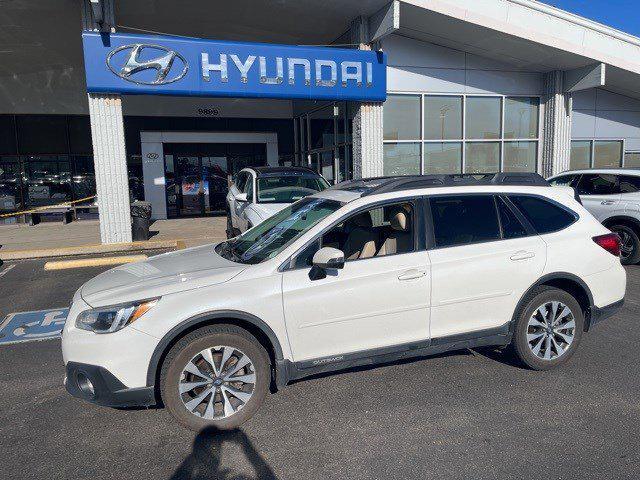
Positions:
{"x": 600, "y": 195}
{"x": 241, "y": 207}
{"x": 481, "y": 263}
{"x": 374, "y": 302}
{"x": 234, "y": 190}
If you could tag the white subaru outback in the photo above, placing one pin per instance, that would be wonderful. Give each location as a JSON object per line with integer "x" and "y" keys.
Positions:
{"x": 365, "y": 272}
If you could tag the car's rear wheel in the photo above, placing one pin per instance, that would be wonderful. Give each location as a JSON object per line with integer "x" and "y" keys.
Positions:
{"x": 629, "y": 244}
{"x": 215, "y": 376}
{"x": 548, "y": 328}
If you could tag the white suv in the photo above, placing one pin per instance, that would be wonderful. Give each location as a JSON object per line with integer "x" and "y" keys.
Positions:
{"x": 613, "y": 197}
{"x": 260, "y": 192}
{"x": 365, "y": 272}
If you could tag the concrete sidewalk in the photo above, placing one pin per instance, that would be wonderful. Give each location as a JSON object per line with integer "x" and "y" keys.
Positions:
{"x": 192, "y": 231}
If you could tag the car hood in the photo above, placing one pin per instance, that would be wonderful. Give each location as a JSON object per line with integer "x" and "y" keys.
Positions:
{"x": 266, "y": 210}
{"x": 160, "y": 275}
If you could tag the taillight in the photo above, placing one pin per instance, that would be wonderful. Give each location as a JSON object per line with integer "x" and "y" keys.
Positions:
{"x": 610, "y": 242}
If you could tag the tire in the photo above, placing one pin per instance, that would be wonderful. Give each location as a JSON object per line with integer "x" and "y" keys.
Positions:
{"x": 192, "y": 407}
{"x": 630, "y": 251}
{"x": 532, "y": 350}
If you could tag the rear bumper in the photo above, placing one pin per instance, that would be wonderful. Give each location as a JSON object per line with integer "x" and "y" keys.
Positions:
{"x": 97, "y": 385}
{"x": 600, "y": 314}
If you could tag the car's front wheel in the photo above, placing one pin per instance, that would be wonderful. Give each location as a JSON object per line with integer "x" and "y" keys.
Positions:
{"x": 629, "y": 244}
{"x": 548, "y": 328}
{"x": 215, "y": 376}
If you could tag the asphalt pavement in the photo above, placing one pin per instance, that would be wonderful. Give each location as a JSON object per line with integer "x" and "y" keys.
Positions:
{"x": 463, "y": 415}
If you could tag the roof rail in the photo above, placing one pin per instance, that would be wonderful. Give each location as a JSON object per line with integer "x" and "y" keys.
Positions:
{"x": 370, "y": 186}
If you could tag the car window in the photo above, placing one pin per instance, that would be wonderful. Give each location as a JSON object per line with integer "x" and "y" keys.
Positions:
{"x": 598, "y": 184}
{"x": 565, "y": 180}
{"x": 377, "y": 232}
{"x": 511, "y": 226}
{"x": 464, "y": 219}
{"x": 269, "y": 238}
{"x": 544, "y": 216}
{"x": 629, "y": 183}
{"x": 248, "y": 188}
{"x": 288, "y": 188}
{"x": 240, "y": 181}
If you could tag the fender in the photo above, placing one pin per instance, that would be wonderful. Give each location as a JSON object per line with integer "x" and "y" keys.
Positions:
{"x": 204, "y": 319}
{"x": 555, "y": 276}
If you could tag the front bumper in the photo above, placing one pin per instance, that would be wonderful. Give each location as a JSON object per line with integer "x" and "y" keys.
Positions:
{"x": 97, "y": 385}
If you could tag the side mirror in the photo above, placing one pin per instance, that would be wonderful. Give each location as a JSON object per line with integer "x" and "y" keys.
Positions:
{"x": 325, "y": 259}
{"x": 241, "y": 197}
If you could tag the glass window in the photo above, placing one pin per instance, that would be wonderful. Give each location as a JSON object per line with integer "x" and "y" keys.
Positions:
{"x": 580, "y": 155}
{"x": 269, "y": 238}
{"x": 632, "y": 160}
{"x": 545, "y": 216}
{"x": 241, "y": 179}
{"x": 402, "y": 117}
{"x": 465, "y": 219}
{"x": 511, "y": 226}
{"x": 520, "y": 156}
{"x": 10, "y": 184}
{"x": 598, "y": 184}
{"x": 565, "y": 180}
{"x": 84, "y": 178}
{"x": 482, "y": 157}
{"x": 629, "y": 184}
{"x": 401, "y": 159}
{"x": 287, "y": 189}
{"x": 442, "y": 118}
{"x": 607, "y": 154}
{"x": 521, "y": 117}
{"x": 321, "y": 127}
{"x": 326, "y": 159}
{"x": 345, "y": 164}
{"x": 442, "y": 158}
{"x": 248, "y": 188}
{"x": 483, "y": 118}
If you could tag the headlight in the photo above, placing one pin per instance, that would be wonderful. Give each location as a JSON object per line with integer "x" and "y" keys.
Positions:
{"x": 112, "y": 319}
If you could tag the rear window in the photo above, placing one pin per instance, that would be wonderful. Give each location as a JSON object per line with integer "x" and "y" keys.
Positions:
{"x": 288, "y": 189}
{"x": 544, "y": 216}
{"x": 465, "y": 219}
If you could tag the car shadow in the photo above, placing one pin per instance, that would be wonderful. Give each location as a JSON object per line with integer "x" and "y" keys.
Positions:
{"x": 204, "y": 461}
{"x": 500, "y": 355}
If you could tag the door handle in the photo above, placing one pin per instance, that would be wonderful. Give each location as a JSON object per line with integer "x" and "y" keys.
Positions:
{"x": 607, "y": 202}
{"x": 412, "y": 275}
{"x": 522, "y": 256}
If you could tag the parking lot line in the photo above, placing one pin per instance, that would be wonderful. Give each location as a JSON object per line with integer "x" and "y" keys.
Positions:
{"x": 6, "y": 270}
{"x": 93, "y": 262}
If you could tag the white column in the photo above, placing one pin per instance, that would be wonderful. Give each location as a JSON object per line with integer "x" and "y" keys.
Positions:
{"x": 556, "y": 135}
{"x": 110, "y": 163}
{"x": 367, "y": 122}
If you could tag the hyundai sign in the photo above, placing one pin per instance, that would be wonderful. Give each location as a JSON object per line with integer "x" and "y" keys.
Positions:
{"x": 161, "y": 65}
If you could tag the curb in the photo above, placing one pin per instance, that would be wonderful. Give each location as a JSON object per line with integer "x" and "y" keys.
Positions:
{"x": 92, "y": 262}
{"x": 90, "y": 250}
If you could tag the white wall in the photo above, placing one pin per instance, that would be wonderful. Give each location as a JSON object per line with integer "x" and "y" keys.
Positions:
{"x": 602, "y": 114}
{"x": 416, "y": 66}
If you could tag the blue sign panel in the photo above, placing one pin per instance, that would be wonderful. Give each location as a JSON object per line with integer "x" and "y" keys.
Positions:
{"x": 148, "y": 64}
{"x": 29, "y": 326}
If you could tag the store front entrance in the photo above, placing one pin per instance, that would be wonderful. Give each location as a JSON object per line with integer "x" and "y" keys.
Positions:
{"x": 197, "y": 174}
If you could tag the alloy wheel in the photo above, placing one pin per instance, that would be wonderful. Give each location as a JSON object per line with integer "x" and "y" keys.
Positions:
{"x": 551, "y": 330}
{"x": 217, "y": 382}
{"x": 626, "y": 244}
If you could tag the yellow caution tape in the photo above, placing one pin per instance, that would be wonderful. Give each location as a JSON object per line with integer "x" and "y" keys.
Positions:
{"x": 47, "y": 207}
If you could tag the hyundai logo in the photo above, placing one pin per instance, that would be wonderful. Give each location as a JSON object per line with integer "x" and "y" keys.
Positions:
{"x": 147, "y": 64}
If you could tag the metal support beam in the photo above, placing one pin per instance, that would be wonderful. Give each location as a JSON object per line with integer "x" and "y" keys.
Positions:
{"x": 110, "y": 163}
{"x": 591, "y": 76}
{"x": 384, "y": 22}
{"x": 556, "y": 138}
{"x": 107, "y": 136}
{"x": 367, "y": 123}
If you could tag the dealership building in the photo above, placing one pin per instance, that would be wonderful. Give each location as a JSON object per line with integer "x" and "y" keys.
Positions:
{"x": 162, "y": 101}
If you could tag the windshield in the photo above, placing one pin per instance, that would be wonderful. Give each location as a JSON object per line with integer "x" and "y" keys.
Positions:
{"x": 288, "y": 189}
{"x": 269, "y": 238}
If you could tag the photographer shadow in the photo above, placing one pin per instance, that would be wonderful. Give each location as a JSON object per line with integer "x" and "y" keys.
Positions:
{"x": 204, "y": 462}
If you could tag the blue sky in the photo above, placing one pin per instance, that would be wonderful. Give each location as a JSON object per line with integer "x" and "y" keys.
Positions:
{"x": 621, "y": 14}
